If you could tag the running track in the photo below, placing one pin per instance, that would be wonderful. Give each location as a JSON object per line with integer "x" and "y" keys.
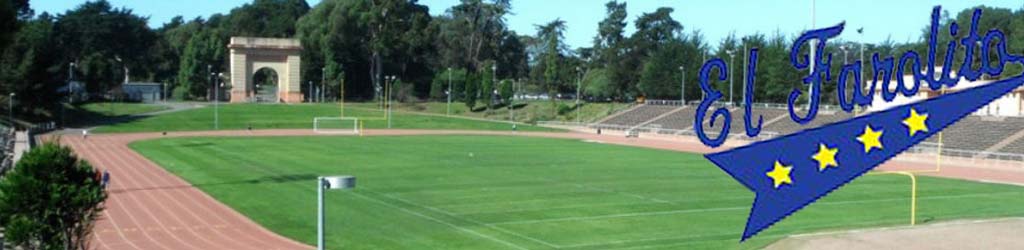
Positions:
{"x": 150, "y": 208}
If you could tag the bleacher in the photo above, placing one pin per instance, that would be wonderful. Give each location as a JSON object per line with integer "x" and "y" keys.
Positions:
{"x": 971, "y": 134}
{"x": 7, "y": 144}
{"x": 640, "y": 114}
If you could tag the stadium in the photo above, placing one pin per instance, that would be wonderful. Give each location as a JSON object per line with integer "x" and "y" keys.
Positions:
{"x": 282, "y": 124}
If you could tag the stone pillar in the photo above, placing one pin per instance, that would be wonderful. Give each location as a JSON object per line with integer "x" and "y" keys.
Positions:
{"x": 290, "y": 80}
{"x": 239, "y": 76}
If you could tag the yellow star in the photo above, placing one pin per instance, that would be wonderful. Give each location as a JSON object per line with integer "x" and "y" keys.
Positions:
{"x": 916, "y": 122}
{"x": 871, "y": 139}
{"x": 826, "y": 157}
{"x": 780, "y": 174}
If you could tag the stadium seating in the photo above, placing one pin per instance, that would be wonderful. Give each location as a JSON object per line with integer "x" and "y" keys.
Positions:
{"x": 971, "y": 134}
{"x": 640, "y": 114}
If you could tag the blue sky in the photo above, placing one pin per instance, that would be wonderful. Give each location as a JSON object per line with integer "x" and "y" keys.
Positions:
{"x": 902, "y": 20}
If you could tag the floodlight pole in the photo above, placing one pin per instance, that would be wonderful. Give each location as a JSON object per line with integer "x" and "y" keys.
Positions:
{"x": 732, "y": 56}
{"x": 579, "y": 80}
{"x": 743, "y": 100}
{"x": 846, "y": 55}
{"x": 511, "y": 103}
{"x": 388, "y": 82}
{"x": 10, "y": 108}
{"x": 449, "y": 93}
{"x": 682, "y": 85}
{"x": 216, "y": 100}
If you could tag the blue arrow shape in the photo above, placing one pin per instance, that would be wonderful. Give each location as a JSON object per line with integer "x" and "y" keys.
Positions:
{"x": 774, "y": 201}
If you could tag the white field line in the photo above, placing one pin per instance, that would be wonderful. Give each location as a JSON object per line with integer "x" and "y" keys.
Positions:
{"x": 471, "y": 231}
{"x": 475, "y": 222}
{"x": 701, "y": 210}
{"x": 591, "y": 205}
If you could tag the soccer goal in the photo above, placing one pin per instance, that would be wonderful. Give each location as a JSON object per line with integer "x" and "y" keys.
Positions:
{"x": 336, "y": 125}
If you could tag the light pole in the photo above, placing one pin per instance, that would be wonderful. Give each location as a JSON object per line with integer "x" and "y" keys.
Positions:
{"x": 579, "y": 81}
{"x": 388, "y": 82}
{"x": 71, "y": 93}
{"x": 494, "y": 84}
{"x": 323, "y": 83}
{"x": 814, "y": 59}
{"x": 343, "y": 182}
{"x": 10, "y": 108}
{"x": 216, "y": 100}
{"x": 743, "y": 99}
{"x": 448, "y": 112}
{"x": 682, "y": 85}
{"x": 846, "y": 55}
{"x": 732, "y": 56}
{"x": 511, "y": 105}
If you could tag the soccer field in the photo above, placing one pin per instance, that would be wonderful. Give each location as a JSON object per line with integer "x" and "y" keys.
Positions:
{"x": 270, "y": 116}
{"x": 499, "y": 192}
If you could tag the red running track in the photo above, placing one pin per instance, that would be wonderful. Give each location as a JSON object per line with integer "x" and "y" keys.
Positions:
{"x": 150, "y": 208}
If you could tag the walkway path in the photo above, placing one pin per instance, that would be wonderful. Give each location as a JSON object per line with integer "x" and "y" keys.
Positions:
{"x": 150, "y": 208}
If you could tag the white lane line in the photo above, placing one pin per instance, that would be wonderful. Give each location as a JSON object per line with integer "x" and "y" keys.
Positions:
{"x": 471, "y": 231}
{"x": 701, "y": 210}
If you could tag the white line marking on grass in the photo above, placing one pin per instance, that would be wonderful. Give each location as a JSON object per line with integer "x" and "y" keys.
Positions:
{"x": 471, "y": 231}
{"x": 701, "y": 210}
{"x": 475, "y": 222}
{"x": 592, "y": 205}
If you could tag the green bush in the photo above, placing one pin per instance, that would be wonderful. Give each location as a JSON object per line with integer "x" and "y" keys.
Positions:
{"x": 50, "y": 200}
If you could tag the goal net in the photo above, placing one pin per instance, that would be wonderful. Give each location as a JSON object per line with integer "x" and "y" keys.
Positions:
{"x": 336, "y": 125}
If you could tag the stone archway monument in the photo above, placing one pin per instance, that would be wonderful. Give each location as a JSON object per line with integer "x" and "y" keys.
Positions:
{"x": 250, "y": 54}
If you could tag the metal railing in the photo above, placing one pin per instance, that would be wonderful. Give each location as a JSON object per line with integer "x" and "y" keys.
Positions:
{"x": 657, "y": 129}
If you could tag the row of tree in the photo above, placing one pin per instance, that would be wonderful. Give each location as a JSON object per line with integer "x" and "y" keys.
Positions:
{"x": 363, "y": 42}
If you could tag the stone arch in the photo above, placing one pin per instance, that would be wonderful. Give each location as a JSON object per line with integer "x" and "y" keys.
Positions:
{"x": 249, "y": 54}
{"x": 265, "y": 93}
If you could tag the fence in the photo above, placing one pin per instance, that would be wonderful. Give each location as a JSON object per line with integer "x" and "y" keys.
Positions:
{"x": 656, "y": 129}
{"x": 821, "y": 107}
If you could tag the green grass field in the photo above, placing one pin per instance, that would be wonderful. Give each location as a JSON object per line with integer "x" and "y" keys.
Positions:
{"x": 274, "y": 116}
{"x": 482, "y": 192}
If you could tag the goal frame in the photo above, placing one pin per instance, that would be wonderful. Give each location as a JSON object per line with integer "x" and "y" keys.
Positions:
{"x": 319, "y": 130}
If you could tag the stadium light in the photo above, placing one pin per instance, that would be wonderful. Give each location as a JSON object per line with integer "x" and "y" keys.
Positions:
{"x": 10, "y": 108}
{"x": 217, "y": 84}
{"x": 342, "y": 182}
{"x": 732, "y": 56}
{"x": 579, "y": 80}
{"x": 448, "y": 112}
{"x": 846, "y": 55}
{"x": 682, "y": 85}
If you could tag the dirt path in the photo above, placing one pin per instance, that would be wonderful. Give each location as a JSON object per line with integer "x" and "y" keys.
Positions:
{"x": 150, "y": 208}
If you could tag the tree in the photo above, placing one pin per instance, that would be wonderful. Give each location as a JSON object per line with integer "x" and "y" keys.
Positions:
{"x": 266, "y": 18}
{"x": 30, "y": 65}
{"x": 472, "y": 90}
{"x": 487, "y": 84}
{"x": 507, "y": 91}
{"x": 551, "y": 36}
{"x": 597, "y": 84}
{"x": 658, "y": 78}
{"x": 610, "y": 46}
{"x": 50, "y": 200}
{"x": 204, "y": 49}
{"x": 96, "y": 35}
{"x": 472, "y": 32}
